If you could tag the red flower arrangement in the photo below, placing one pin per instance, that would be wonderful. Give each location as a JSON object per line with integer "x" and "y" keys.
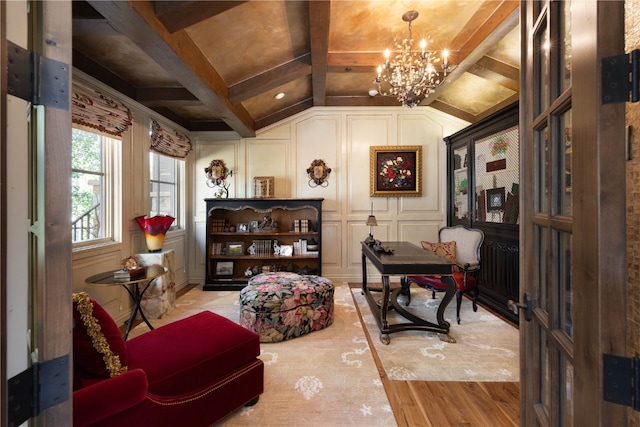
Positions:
{"x": 395, "y": 172}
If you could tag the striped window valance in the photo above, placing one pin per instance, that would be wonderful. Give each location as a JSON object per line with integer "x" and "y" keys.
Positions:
{"x": 92, "y": 108}
{"x": 169, "y": 142}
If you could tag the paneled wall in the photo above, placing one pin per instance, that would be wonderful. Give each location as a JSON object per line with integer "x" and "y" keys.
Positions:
{"x": 341, "y": 137}
{"x": 134, "y": 178}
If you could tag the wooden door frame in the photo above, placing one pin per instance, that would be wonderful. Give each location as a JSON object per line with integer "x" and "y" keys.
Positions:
{"x": 599, "y": 222}
{"x": 3, "y": 211}
{"x": 51, "y": 32}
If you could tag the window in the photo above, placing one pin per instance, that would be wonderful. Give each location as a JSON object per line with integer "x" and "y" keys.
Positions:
{"x": 92, "y": 185}
{"x": 165, "y": 178}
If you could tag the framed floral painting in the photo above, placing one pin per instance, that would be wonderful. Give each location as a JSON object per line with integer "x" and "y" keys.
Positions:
{"x": 396, "y": 171}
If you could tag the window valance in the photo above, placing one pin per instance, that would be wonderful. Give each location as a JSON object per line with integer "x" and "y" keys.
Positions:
{"x": 94, "y": 109}
{"x": 169, "y": 142}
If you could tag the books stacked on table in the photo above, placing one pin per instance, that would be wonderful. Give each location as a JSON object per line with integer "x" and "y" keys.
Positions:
{"x": 128, "y": 275}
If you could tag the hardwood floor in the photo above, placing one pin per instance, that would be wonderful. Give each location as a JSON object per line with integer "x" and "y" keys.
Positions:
{"x": 449, "y": 403}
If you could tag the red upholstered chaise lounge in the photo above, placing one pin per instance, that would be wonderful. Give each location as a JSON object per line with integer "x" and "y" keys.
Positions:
{"x": 192, "y": 372}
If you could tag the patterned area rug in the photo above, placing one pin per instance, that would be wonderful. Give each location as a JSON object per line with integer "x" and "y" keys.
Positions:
{"x": 487, "y": 348}
{"x": 325, "y": 378}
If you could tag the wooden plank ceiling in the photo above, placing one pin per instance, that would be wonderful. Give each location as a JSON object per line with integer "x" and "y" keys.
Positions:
{"x": 217, "y": 65}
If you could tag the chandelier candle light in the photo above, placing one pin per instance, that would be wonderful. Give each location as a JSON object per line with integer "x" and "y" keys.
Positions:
{"x": 411, "y": 76}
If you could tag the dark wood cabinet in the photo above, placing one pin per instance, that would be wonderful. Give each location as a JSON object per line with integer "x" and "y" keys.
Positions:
{"x": 483, "y": 175}
{"x": 250, "y": 236}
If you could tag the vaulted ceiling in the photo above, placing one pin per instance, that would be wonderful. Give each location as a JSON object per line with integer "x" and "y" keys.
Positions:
{"x": 217, "y": 65}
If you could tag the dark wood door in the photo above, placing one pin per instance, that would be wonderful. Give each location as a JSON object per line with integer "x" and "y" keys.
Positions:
{"x": 573, "y": 213}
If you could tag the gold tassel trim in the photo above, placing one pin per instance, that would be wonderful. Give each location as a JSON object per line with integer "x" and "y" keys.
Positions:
{"x": 85, "y": 308}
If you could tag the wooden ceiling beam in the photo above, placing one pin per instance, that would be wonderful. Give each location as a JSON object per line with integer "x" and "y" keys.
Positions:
{"x": 487, "y": 19}
{"x": 165, "y": 96}
{"x": 453, "y": 111}
{"x": 355, "y": 60}
{"x": 98, "y": 72}
{"x": 271, "y": 79}
{"x": 178, "y": 15}
{"x": 319, "y": 23}
{"x": 176, "y": 52}
{"x": 284, "y": 113}
{"x": 362, "y": 101}
{"x": 497, "y": 72}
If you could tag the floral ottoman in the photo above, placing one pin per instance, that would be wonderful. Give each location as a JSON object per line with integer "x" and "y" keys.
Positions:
{"x": 281, "y": 306}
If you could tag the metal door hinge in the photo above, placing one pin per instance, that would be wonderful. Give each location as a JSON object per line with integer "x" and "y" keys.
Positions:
{"x": 41, "y": 386}
{"x": 37, "y": 79}
{"x": 620, "y": 376}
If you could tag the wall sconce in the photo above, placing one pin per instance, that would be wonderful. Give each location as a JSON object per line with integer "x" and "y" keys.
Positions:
{"x": 371, "y": 222}
{"x": 318, "y": 173}
{"x": 217, "y": 172}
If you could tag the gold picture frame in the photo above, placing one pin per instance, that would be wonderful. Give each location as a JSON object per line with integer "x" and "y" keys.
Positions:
{"x": 396, "y": 171}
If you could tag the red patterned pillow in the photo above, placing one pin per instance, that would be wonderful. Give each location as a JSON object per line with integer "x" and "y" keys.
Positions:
{"x": 446, "y": 250}
{"x": 98, "y": 347}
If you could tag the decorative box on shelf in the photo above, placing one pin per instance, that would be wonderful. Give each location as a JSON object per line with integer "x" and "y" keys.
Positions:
{"x": 159, "y": 299}
{"x": 125, "y": 275}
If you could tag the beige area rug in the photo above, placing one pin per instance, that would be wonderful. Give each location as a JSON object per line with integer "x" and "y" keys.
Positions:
{"x": 486, "y": 348}
{"x": 325, "y": 378}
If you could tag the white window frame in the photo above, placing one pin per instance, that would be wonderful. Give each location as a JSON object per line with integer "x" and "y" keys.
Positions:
{"x": 179, "y": 202}
{"x": 112, "y": 198}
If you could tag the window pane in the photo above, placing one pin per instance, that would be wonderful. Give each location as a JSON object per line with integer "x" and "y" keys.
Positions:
{"x": 541, "y": 61}
{"x": 567, "y": 407}
{"x": 163, "y": 185}
{"x": 565, "y": 289}
{"x": 542, "y": 245}
{"x": 565, "y": 47}
{"x": 541, "y": 168}
{"x": 87, "y": 213}
{"x": 461, "y": 184}
{"x": 497, "y": 179}
{"x": 87, "y": 186}
{"x": 565, "y": 198}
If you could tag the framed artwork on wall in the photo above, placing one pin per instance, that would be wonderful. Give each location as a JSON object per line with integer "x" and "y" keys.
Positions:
{"x": 396, "y": 171}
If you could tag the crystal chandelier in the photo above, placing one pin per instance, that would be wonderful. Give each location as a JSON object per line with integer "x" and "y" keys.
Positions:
{"x": 411, "y": 76}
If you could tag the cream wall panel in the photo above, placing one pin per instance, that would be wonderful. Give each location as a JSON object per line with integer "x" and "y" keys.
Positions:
{"x": 269, "y": 158}
{"x": 331, "y": 245}
{"x": 205, "y": 153}
{"x": 420, "y": 130}
{"x": 362, "y": 133}
{"x": 417, "y": 231}
{"x": 319, "y": 138}
{"x": 197, "y": 268}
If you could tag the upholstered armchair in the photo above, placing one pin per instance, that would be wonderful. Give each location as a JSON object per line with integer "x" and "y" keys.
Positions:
{"x": 192, "y": 372}
{"x": 460, "y": 245}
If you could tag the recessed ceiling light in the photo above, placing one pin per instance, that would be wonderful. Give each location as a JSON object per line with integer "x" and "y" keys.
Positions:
{"x": 279, "y": 95}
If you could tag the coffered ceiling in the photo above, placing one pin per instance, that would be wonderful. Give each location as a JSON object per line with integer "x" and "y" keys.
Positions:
{"x": 217, "y": 65}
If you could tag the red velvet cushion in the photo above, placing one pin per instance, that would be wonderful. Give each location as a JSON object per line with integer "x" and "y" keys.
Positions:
{"x": 89, "y": 363}
{"x": 191, "y": 353}
{"x": 435, "y": 282}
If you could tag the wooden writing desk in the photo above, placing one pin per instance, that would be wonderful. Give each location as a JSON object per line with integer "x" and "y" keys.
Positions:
{"x": 406, "y": 259}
